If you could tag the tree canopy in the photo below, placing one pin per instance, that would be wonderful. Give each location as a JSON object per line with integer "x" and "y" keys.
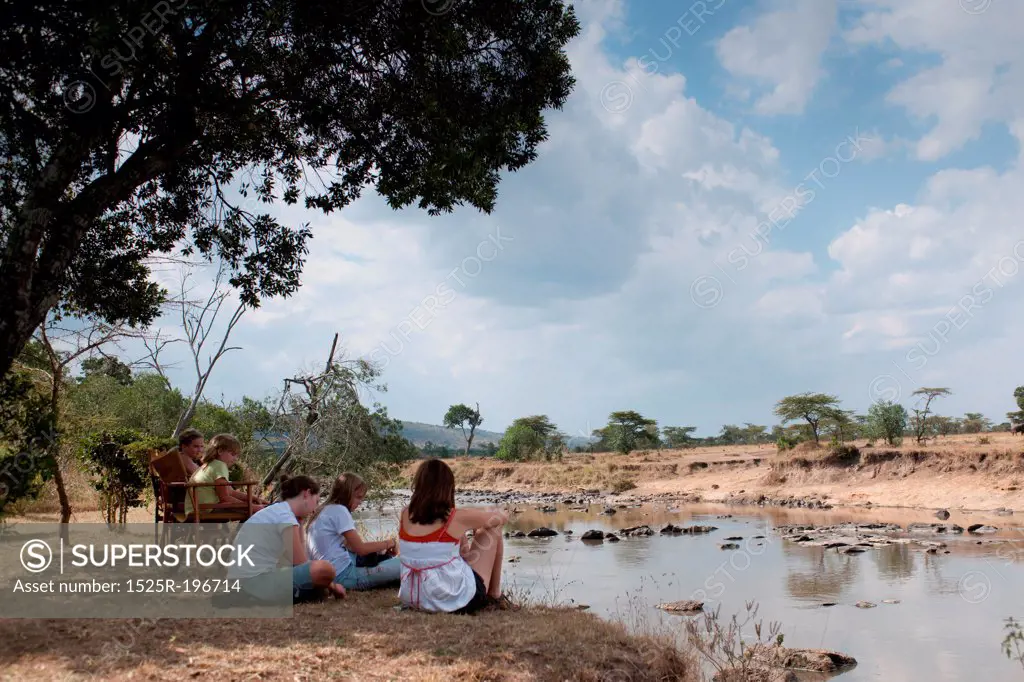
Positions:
{"x": 130, "y": 130}
{"x": 811, "y": 407}
{"x": 464, "y": 417}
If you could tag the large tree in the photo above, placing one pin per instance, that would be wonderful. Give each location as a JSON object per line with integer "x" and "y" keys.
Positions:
{"x": 466, "y": 418}
{"x": 628, "y": 430}
{"x": 811, "y": 407}
{"x": 129, "y": 129}
{"x": 920, "y": 421}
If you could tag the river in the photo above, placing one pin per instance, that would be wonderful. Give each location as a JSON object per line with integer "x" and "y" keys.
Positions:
{"x": 948, "y": 624}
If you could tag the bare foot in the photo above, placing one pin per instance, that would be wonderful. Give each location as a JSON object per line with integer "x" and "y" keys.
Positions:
{"x": 337, "y": 590}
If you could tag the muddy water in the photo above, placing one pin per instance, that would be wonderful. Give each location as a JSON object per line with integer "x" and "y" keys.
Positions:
{"x": 948, "y": 624}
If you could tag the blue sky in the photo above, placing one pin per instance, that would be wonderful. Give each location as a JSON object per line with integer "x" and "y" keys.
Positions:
{"x": 735, "y": 205}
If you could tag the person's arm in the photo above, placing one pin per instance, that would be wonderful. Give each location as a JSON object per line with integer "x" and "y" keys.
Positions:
{"x": 356, "y": 544}
{"x": 481, "y": 519}
{"x": 225, "y": 493}
{"x": 298, "y": 546}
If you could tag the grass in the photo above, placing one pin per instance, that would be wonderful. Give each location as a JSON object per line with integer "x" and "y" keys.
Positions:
{"x": 362, "y": 637}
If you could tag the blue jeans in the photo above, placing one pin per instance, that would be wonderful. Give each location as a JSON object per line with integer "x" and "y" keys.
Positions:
{"x": 360, "y": 578}
{"x": 272, "y": 585}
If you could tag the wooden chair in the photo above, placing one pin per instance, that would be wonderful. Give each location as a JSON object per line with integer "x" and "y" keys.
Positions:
{"x": 171, "y": 486}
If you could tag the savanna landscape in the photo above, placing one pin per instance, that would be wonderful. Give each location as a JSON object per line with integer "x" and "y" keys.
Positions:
{"x": 289, "y": 262}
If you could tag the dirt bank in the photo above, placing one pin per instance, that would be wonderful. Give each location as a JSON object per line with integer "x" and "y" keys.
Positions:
{"x": 361, "y": 638}
{"x": 958, "y": 472}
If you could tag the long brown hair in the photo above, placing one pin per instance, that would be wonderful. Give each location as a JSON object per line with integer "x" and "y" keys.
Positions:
{"x": 222, "y": 442}
{"x": 433, "y": 493}
{"x": 344, "y": 488}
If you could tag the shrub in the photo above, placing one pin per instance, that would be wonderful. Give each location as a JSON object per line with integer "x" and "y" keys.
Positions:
{"x": 119, "y": 461}
{"x": 621, "y": 484}
{"x": 984, "y": 440}
{"x": 519, "y": 443}
{"x": 786, "y": 443}
{"x": 887, "y": 420}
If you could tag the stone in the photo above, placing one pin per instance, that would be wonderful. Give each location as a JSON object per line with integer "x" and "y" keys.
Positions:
{"x": 734, "y": 538}
{"x": 541, "y": 533}
{"x": 609, "y": 510}
{"x": 684, "y": 606}
{"x": 611, "y": 537}
{"x": 942, "y": 514}
{"x": 637, "y": 531}
{"x": 519, "y": 534}
{"x": 890, "y": 601}
{"x": 852, "y": 550}
{"x": 829, "y": 603}
{"x": 593, "y": 535}
{"x": 670, "y": 529}
{"x": 698, "y": 530}
{"x": 865, "y": 605}
{"x": 813, "y": 660}
{"x": 729, "y": 545}
{"x": 981, "y": 528}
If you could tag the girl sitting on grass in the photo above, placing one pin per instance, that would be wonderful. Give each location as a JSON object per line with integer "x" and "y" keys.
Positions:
{"x": 332, "y": 536}
{"x": 442, "y": 571}
{"x": 272, "y": 532}
{"x": 221, "y": 453}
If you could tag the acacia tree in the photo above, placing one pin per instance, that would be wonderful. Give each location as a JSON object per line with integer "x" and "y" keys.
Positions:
{"x": 628, "y": 430}
{"x": 920, "y": 420}
{"x": 678, "y": 436}
{"x": 811, "y": 407}
{"x": 128, "y": 129}
{"x": 464, "y": 416}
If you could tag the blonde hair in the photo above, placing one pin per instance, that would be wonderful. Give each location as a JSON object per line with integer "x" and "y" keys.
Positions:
{"x": 344, "y": 488}
{"x": 222, "y": 442}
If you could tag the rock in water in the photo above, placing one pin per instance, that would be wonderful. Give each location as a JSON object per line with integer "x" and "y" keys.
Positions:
{"x": 864, "y": 605}
{"x": 815, "y": 660}
{"x": 611, "y": 537}
{"x": 685, "y": 606}
{"x": 697, "y": 530}
{"x": 593, "y": 535}
{"x": 637, "y": 531}
{"x": 541, "y": 533}
{"x": 729, "y": 545}
{"x": 942, "y": 514}
{"x": 609, "y": 510}
{"x": 981, "y": 528}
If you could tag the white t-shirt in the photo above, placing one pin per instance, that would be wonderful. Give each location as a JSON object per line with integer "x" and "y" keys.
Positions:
{"x": 325, "y": 540}
{"x": 265, "y": 531}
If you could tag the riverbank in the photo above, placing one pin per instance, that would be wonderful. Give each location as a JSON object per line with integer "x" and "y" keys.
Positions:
{"x": 361, "y": 637}
{"x": 978, "y": 473}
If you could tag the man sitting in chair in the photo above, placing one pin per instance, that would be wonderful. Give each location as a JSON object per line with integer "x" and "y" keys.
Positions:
{"x": 191, "y": 444}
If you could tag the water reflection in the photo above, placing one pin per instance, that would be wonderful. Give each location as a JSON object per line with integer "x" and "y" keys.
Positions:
{"x": 946, "y": 626}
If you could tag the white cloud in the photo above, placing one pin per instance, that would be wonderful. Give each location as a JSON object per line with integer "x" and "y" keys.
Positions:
{"x": 781, "y": 50}
{"x": 980, "y": 76}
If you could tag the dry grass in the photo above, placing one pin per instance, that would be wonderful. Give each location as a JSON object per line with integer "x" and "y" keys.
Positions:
{"x": 361, "y": 638}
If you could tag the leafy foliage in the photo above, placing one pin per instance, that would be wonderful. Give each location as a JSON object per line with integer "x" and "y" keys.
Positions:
{"x": 119, "y": 463}
{"x": 26, "y": 435}
{"x": 628, "y": 431}
{"x": 119, "y": 150}
{"x": 463, "y": 417}
{"x": 811, "y": 407}
{"x": 920, "y": 422}
{"x": 678, "y": 436}
{"x": 1013, "y": 643}
{"x": 532, "y": 437}
{"x": 887, "y": 420}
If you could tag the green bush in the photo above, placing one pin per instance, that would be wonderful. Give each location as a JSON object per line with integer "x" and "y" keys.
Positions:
{"x": 26, "y": 438}
{"x": 519, "y": 443}
{"x": 119, "y": 463}
{"x": 784, "y": 443}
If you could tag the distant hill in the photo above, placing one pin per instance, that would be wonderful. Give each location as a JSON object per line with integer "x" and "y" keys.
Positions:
{"x": 419, "y": 433}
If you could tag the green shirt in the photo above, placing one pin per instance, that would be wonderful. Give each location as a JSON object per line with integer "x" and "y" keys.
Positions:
{"x": 208, "y": 473}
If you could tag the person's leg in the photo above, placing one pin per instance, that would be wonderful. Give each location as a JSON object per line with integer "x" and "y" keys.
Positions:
{"x": 310, "y": 578}
{"x": 485, "y": 557}
{"x": 387, "y": 572}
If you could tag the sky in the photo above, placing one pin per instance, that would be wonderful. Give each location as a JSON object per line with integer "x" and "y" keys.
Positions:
{"x": 741, "y": 200}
